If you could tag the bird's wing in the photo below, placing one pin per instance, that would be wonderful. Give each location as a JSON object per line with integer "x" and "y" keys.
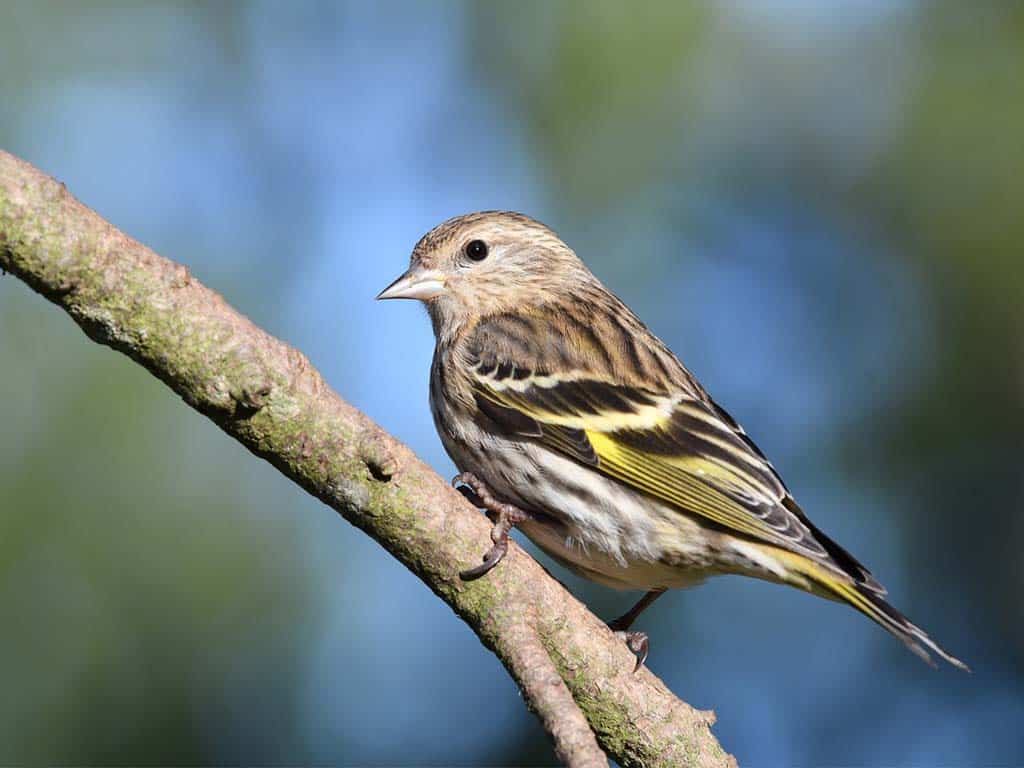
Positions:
{"x": 677, "y": 446}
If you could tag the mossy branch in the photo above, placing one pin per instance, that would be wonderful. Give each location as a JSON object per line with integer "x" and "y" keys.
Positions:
{"x": 573, "y": 672}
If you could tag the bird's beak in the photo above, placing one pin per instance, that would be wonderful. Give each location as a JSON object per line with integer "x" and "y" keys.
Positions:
{"x": 416, "y": 283}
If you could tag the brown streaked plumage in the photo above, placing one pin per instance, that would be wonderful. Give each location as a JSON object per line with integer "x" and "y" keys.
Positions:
{"x": 571, "y": 419}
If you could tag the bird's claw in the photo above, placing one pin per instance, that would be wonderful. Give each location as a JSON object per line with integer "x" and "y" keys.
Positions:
{"x": 638, "y": 643}
{"x": 505, "y": 516}
{"x": 470, "y": 495}
{"x": 492, "y": 558}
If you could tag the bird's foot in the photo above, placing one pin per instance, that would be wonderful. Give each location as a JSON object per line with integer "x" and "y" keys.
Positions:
{"x": 505, "y": 516}
{"x": 637, "y": 642}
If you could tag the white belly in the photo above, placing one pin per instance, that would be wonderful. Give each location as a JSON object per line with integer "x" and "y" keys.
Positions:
{"x": 592, "y": 524}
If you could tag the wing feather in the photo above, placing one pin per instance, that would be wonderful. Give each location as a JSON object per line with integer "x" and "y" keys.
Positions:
{"x": 673, "y": 448}
{"x": 677, "y": 445}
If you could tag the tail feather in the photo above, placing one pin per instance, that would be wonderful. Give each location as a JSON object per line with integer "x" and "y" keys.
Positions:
{"x": 842, "y": 558}
{"x": 866, "y": 599}
{"x": 878, "y": 610}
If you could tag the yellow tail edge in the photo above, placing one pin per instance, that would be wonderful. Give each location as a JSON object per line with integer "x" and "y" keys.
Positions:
{"x": 818, "y": 579}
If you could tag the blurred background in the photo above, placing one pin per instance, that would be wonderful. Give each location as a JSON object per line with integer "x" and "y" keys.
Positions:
{"x": 816, "y": 204}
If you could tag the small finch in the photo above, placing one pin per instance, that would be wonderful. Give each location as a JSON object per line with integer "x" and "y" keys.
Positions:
{"x": 568, "y": 418}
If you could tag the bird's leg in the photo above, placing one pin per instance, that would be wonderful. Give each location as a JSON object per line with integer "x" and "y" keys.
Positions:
{"x": 625, "y": 621}
{"x": 637, "y": 642}
{"x": 505, "y": 516}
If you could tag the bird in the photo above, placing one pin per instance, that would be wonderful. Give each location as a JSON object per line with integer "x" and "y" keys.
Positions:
{"x": 569, "y": 420}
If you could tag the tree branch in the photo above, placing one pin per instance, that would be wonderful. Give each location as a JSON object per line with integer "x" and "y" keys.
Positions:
{"x": 573, "y": 672}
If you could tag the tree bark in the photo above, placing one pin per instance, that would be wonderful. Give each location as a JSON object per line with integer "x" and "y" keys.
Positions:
{"x": 574, "y": 674}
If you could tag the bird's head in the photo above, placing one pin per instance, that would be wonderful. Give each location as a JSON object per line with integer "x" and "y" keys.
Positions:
{"x": 487, "y": 263}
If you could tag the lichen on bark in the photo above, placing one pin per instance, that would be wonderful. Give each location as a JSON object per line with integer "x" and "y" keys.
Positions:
{"x": 573, "y": 672}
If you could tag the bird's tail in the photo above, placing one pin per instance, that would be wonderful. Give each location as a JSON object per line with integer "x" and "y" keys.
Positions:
{"x": 867, "y": 600}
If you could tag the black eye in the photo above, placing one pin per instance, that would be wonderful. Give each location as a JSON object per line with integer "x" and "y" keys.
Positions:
{"x": 476, "y": 250}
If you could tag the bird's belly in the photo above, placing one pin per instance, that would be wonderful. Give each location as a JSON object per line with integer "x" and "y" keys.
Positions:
{"x": 604, "y": 568}
{"x": 590, "y": 523}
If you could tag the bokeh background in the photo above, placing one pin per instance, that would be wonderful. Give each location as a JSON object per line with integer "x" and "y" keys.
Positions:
{"x": 818, "y": 205}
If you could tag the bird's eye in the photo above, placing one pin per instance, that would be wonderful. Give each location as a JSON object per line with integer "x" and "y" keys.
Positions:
{"x": 476, "y": 250}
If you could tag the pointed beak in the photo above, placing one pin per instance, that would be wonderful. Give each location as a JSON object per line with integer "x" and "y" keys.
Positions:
{"x": 416, "y": 283}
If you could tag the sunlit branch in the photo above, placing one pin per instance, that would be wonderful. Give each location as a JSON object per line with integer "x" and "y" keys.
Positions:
{"x": 573, "y": 672}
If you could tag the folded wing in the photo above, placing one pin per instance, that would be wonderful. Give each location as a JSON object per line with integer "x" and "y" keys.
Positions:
{"x": 677, "y": 446}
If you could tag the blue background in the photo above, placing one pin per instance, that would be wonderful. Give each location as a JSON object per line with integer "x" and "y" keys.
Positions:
{"x": 816, "y": 205}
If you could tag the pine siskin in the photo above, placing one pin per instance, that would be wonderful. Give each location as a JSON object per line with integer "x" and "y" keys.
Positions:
{"x": 569, "y": 418}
